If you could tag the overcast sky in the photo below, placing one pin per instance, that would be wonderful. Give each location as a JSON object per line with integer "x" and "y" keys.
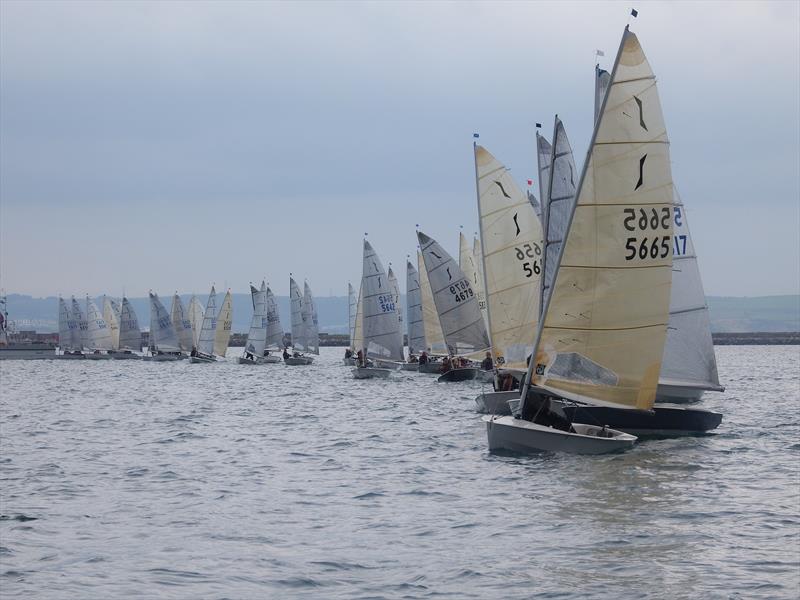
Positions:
{"x": 171, "y": 145}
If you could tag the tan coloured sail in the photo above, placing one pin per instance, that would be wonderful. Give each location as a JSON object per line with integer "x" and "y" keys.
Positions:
{"x": 477, "y": 252}
{"x": 512, "y": 257}
{"x": 430, "y": 318}
{"x": 469, "y": 263}
{"x": 358, "y": 327}
{"x": 222, "y": 335}
{"x": 606, "y": 319}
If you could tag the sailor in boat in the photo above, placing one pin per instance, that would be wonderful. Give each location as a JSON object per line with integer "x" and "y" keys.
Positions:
{"x": 423, "y": 358}
{"x": 348, "y": 353}
{"x": 266, "y": 352}
{"x": 248, "y": 353}
{"x": 412, "y": 358}
{"x": 447, "y": 365}
{"x": 487, "y": 364}
{"x": 286, "y": 353}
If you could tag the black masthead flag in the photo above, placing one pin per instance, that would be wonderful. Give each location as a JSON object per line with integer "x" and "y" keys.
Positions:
{"x": 634, "y": 12}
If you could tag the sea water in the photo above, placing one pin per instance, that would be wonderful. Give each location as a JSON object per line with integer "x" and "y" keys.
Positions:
{"x": 171, "y": 480}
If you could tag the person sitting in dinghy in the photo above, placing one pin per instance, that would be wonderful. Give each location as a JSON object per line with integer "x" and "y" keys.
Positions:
{"x": 423, "y": 358}
{"x": 285, "y": 353}
{"x": 412, "y": 358}
{"x": 447, "y": 365}
{"x": 348, "y": 353}
{"x": 487, "y": 364}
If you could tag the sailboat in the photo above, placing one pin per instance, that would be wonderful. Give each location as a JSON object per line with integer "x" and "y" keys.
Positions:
{"x": 69, "y": 333}
{"x": 98, "y": 335}
{"x": 196, "y": 319}
{"x": 83, "y": 326}
{"x": 164, "y": 344}
{"x": 222, "y": 334}
{"x": 381, "y": 327}
{"x": 130, "y": 336}
{"x": 352, "y": 309}
{"x": 602, "y": 335}
{"x": 394, "y": 287}
{"x": 276, "y": 338}
{"x": 182, "y": 324}
{"x": 204, "y": 350}
{"x": 469, "y": 264}
{"x": 512, "y": 266}
{"x": 256, "y": 341}
{"x": 434, "y": 337}
{"x": 457, "y": 306}
{"x": 300, "y": 327}
{"x": 416, "y": 324}
{"x": 111, "y": 316}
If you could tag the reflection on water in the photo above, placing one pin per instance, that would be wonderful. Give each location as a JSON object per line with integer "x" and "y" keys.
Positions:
{"x": 176, "y": 480}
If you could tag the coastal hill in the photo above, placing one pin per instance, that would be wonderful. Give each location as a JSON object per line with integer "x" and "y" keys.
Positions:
{"x": 728, "y": 314}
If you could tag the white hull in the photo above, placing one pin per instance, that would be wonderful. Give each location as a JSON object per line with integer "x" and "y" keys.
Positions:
{"x": 485, "y": 376}
{"x": 118, "y": 355}
{"x": 386, "y": 364}
{"x": 163, "y": 357}
{"x": 97, "y": 356}
{"x": 202, "y": 358}
{"x": 69, "y": 356}
{"x": 676, "y": 391}
{"x": 432, "y": 368}
{"x": 517, "y": 435}
{"x": 496, "y": 403}
{"x": 371, "y": 373}
{"x": 409, "y": 367}
{"x": 298, "y": 360}
{"x": 261, "y": 360}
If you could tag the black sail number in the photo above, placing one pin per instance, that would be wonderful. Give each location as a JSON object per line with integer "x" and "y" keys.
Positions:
{"x": 647, "y": 222}
{"x": 529, "y": 256}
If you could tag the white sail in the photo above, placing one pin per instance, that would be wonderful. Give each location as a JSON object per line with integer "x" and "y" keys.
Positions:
{"x": 205, "y": 341}
{"x": 195, "y": 318}
{"x": 455, "y": 300}
{"x": 81, "y": 340}
{"x": 162, "y": 332}
{"x": 275, "y": 335}
{"x": 381, "y": 326}
{"x": 395, "y": 287}
{"x": 182, "y": 324}
{"x": 512, "y": 261}
{"x": 358, "y": 328}
{"x": 601, "y": 79}
{"x": 477, "y": 252}
{"x": 111, "y": 316}
{"x": 222, "y": 335}
{"x": 298, "y": 325}
{"x": 352, "y": 307}
{"x": 257, "y": 336}
{"x": 416, "y": 325}
{"x": 69, "y": 332}
{"x": 470, "y": 263}
{"x": 689, "y": 357}
{"x": 311, "y": 320}
{"x": 544, "y": 154}
{"x": 560, "y": 202}
{"x": 537, "y": 207}
{"x": 430, "y": 318}
{"x": 98, "y": 333}
{"x": 606, "y": 317}
{"x": 130, "y": 335}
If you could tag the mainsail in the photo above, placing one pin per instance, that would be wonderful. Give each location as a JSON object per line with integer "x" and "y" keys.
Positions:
{"x": 381, "y": 326}
{"x": 81, "y": 340}
{"x": 98, "y": 333}
{"x": 130, "y": 336}
{"x": 395, "y": 287}
{"x": 162, "y": 332}
{"x": 477, "y": 252}
{"x": 544, "y": 154}
{"x": 257, "y": 336}
{"x": 195, "y": 318}
{"x": 512, "y": 257}
{"x": 430, "y": 318}
{"x": 416, "y": 325}
{"x": 205, "y": 341}
{"x": 222, "y": 335}
{"x": 311, "y": 320}
{"x": 605, "y": 321}
{"x": 601, "y": 79}
{"x": 559, "y": 204}
{"x": 352, "y": 307}
{"x": 298, "y": 325}
{"x": 358, "y": 328}
{"x": 275, "y": 335}
{"x": 469, "y": 261}
{"x": 455, "y": 300}
{"x": 69, "y": 332}
{"x": 111, "y": 316}
{"x": 182, "y": 324}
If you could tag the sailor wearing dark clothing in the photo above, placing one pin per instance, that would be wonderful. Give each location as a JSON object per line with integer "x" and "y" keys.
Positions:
{"x": 487, "y": 364}
{"x": 423, "y": 358}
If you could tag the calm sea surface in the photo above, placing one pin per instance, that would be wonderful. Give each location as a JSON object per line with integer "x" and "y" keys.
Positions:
{"x": 135, "y": 479}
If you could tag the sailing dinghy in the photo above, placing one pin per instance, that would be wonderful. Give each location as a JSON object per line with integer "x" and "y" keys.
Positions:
{"x": 196, "y": 319}
{"x": 256, "y": 342}
{"x": 164, "y": 344}
{"x": 182, "y": 324}
{"x": 457, "y": 306}
{"x": 602, "y": 335}
{"x": 416, "y": 324}
{"x": 434, "y": 337}
{"x": 113, "y": 314}
{"x": 222, "y": 334}
{"x": 130, "y": 336}
{"x": 395, "y": 288}
{"x": 98, "y": 334}
{"x": 204, "y": 351}
{"x": 301, "y": 331}
{"x": 69, "y": 333}
{"x": 381, "y": 327}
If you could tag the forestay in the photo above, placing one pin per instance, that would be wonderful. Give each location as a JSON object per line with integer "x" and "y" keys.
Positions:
{"x": 416, "y": 325}
{"x": 162, "y": 332}
{"x": 512, "y": 258}
{"x": 130, "y": 335}
{"x": 98, "y": 333}
{"x": 222, "y": 335}
{"x": 275, "y": 335}
{"x": 606, "y": 317}
{"x": 205, "y": 342}
{"x": 257, "y": 336}
{"x": 311, "y": 321}
{"x": 182, "y": 324}
{"x": 381, "y": 326}
{"x": 455, "y": 300}
{"x": 433, "y": 328}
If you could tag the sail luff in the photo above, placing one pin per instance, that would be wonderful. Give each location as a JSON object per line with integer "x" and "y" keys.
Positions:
{"x": 298, "y": 326}
{"x": 358, "y": 328}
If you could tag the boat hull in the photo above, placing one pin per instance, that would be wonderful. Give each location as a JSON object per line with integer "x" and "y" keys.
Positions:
{"x": 371, "y": 373}
{"x": 349, "y": 362}
{"x": 465, "y": 374}
{"x": 125, "y": 356}
{"x": 516, "y": 435}
{"x": 261, "y": 360}
{"x": 69, "y": 357}
{"x": 496, "y": 403}
{"x": 17, "y": 351}
{"x": 202, "y": 358}
{"x": 93, "y": 356}
{"x": 294, "y": 361}
{"x": 662, "y": 421}
{"x": 409, "y": 367}
{"x": 430, "y": 368}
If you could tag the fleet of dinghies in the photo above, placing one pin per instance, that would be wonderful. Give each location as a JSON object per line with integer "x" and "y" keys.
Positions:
{"x": 587, "y": 304}
{"x": 583, "y": 308}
